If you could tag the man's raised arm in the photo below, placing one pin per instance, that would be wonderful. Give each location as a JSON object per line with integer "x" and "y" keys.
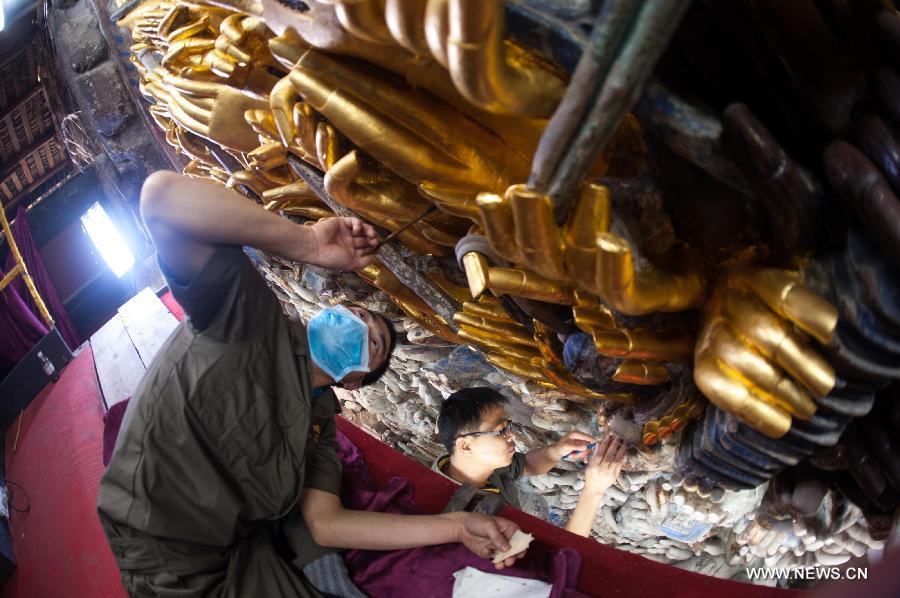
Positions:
{"x": 187, "y": 218}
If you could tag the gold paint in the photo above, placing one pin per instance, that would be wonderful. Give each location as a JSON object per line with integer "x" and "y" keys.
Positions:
{"x": 248, "y": 179}
{"x": 310, "y": 212}
{"x": 591, "y": 315}
{"x": 326, "y": 145}
{"x": 379, "y": 196}
{"x": 775, "y": 340}
{"x": 642, "y": 344}
{"x": 437, "y": 29}
{"x": 738, "y": 400}
{"x": 364, "y": 19}
{"x": 405, "y": 20}
{"x": 519, "y": 367}
{"x": 298, "y": 190}
{"x": 487, "y": 310}
{"x": 496, "y": 343}
{"x": 422, "y": 140}
{"x": 537, "y": 235}
{"x": 624, "y": 289}
{"x": 566, "y": 382}
{"x": 644, "y": 373}
{"x": 476, "y": 268}
{"x": 756, "y": 372}
{"x": 189, "y": 30}
{"x": 499, "y": 229}
{"x": 514, "y": 332}
{"x": 781, "y": 292}
{"x": 490, "y": 73}
{"x": 591, "y": 214}
{"x": 506, "y": 281}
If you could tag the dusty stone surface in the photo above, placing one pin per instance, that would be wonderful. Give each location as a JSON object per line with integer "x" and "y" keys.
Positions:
{"x": 106, "y": 98}
{"x": 85, "y": 46}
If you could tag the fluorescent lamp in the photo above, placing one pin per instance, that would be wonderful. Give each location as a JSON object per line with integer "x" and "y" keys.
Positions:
{"x": 1, "y": 15}
{"x": 107, "y": 239}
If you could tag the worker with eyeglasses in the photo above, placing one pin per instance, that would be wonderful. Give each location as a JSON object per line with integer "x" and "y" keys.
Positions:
{"x": 475, "y": 428}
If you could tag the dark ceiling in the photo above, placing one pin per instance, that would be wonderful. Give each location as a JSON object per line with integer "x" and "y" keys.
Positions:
{"x": 32, "y": 156}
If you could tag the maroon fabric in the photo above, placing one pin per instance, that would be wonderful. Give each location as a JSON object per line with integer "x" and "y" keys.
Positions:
{"x": 19, "y": 315}
{"x": 112, "y": 421}
{"x": 428, "y": 571}
{"x": 35, "y": 265}
{"x": 21, "y": 327}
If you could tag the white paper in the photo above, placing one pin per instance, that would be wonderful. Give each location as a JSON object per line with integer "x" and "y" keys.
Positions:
{"x": 518, "y": 543}
{"x": 472, "y": 583}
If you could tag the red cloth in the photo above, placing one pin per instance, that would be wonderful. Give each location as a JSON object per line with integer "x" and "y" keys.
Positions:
{"x": 112, "y": 421}
{"x": 428, "y": 571}
{"x": 169, "y": 301}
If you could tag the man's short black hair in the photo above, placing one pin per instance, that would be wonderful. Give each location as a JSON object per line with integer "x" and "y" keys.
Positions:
{"x": 376, "y": 374}
{"x": 464, "y": 411}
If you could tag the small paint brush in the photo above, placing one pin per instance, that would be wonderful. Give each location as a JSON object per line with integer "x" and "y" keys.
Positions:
{"x": 394, "y": 234}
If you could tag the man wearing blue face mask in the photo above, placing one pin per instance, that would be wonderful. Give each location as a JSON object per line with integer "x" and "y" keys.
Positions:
{"x": 228, "y": 446}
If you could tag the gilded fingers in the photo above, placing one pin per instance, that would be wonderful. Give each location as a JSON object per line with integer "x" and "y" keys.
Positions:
{"x": 485, "y": 69}
{"x": 752, "y": 358}
{"x": 756, "y": 370}
{"x": 404, "y": 20}
{"x": 773, "y": 337}
{"x": 591, "y": 214}
{"x": 731, "y": 395}
{"x": 421, "y": 139}
{"x": 364, "y": 19}
{"x": 651, "y": 289}
{"x": 537, "y": 235}
{"x": 379, "y": 196}
{"x": 782, "y": 293}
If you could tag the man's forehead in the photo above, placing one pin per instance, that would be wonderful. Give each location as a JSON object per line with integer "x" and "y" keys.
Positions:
{"x": 497, "y": 415}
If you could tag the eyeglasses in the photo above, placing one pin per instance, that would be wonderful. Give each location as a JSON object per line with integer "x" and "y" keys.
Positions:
{"x": 504, "y": 431}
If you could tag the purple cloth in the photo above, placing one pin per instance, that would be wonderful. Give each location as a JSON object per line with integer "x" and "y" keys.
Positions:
{"x": 112, "y": 421}
{"x": 21, "y": 327}
{"x": 429, "y": 571}
{"x": 35, "y": 265}
{"x": 19, "y": 316}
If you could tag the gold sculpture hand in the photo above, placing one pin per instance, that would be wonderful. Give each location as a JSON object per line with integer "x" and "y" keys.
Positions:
{"x": 388, "y": 201}
{"x": 753, "y": 358}
{"x": 465, "y": 36}
{"x": 424, "y": 141}
{"x": 240, "y": 54}
{"x": 211, "y": 110}
{"x": 553, "y": 261}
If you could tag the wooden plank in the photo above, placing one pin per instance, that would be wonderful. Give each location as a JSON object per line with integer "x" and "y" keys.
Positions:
{"x": 119, "y": 367}
{"x": 148, "y": 323}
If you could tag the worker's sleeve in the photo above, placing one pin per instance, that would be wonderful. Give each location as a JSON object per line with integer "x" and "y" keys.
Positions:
{"x": 226, "y": 297}
{"x": 323, "y": 464}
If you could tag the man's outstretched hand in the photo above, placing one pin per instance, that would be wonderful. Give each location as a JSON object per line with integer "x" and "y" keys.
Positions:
{"x": 485, "y": 536}
{"x": 341, "y": 244}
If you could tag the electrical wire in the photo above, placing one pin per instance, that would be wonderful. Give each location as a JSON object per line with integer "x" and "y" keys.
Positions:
{"x": 13, "y": 507}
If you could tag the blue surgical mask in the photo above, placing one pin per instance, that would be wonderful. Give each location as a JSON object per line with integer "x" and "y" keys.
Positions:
{"x": 338, "y": 342}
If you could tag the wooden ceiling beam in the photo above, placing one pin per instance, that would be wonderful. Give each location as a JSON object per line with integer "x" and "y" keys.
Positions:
{"x": 23, "y": 195}
{"x": 10, "y": 166}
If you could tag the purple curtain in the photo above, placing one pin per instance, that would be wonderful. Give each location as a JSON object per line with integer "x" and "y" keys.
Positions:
{"x": 20, "y": 319}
